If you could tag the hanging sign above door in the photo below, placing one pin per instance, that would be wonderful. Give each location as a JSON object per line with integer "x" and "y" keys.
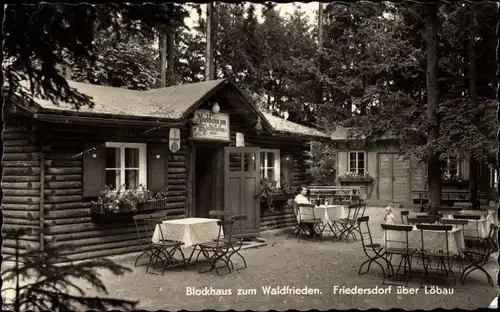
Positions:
{"x": 174, "y": 140}
{"x": 210, "y": 126}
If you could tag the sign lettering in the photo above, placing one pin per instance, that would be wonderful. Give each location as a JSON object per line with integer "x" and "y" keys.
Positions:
{"x": 210, "y": 126}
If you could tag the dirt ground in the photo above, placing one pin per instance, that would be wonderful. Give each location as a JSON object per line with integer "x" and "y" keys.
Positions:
{"x": 319, "y": 266}
{"x": 286, "y": 262}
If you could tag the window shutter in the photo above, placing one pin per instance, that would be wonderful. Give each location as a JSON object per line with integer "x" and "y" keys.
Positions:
{"x": 157, "y": 167}
{"x": 94, "y": 168}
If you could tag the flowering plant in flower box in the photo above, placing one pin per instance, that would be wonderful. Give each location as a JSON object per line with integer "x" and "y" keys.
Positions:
{"x": 122, "y": 199}
{"x": 355, "y": 176}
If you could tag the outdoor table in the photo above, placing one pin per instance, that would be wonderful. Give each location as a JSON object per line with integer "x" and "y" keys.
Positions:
{"x": 434, "y": 240}
{"x": 491, "y": 218}
{"x": 329, "y": 213}
{"x": 190, "y": 231}
{"x": 482, "y": 227}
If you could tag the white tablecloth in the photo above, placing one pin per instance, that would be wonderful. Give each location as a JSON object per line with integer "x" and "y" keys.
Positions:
{"x": 327, "y": 213}
{"x": 477, "y": 227}
{"x": 190, "y": 231}
{"x": 433, "y": 240}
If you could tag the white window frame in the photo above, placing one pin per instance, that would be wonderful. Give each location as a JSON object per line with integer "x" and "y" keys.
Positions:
{"x": 447, "y": 169}
{"x": 142, "y": 160}
{"x": 357, "y": 161}
{"x": 276, "y": 166}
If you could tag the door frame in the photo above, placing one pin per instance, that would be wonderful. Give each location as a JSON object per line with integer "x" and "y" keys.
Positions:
{"x": 256, "y": 174}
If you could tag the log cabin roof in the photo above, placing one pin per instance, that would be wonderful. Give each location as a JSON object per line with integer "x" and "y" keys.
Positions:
{"x": 173, "y": 103}
{"x": 343, "y": 134}
{"x": 286, "y": 126}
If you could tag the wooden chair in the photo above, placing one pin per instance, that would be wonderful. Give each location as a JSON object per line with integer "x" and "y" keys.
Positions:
{"x": 307, "y": 219}
{"x": 164, "y": 250}
{"x": 345, "y": 226}
{"x": 480, "y": 255}
{"x": 142, "y": 237}
{"x": 457, "y": 224}
{"x": 237, "y": 242}
{"x": 404, "y": 216}
{"x": 373, "y": 251}
{"x": 442, "y": 257}
{"x": 422, "y": 220}
{"x": 218, "y": 250}
{"x": 405, "y": 252}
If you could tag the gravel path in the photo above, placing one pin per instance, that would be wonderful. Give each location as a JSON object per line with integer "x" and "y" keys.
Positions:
{"x": 286, "y": 262}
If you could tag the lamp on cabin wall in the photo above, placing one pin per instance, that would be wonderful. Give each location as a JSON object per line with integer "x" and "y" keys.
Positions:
{"x": 215, "y": 108}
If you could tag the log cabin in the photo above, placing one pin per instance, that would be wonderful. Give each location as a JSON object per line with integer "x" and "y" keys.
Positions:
{"x": 204, "y": 143}
{"x": 392, "y": 178}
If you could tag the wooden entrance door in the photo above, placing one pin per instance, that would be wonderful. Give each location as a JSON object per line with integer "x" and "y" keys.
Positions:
{"x": 241, "y": 184}
{"x": 394, "y": 178}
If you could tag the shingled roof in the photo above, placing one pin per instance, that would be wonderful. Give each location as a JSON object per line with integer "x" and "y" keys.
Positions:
{"x": 171, "y": 103}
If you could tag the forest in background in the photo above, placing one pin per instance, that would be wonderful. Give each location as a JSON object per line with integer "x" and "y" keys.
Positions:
{"x": 425, "y": 73}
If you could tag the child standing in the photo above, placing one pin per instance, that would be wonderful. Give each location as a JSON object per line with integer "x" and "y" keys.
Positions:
{"x": 388, "y": 217}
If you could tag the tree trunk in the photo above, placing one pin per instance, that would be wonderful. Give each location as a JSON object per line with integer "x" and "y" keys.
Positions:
{"x": 209, "y": 70}
{"x": 163, "y": 58}
{"x": 473, "y": 164}
{"x": 170, "y": 51}
{"x": 319, "y": 91}
{"x": 433, "y": 164}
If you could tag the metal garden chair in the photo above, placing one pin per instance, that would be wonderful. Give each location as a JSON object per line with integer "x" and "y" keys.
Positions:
{"x": 403, "y": 250}
{"x": 164, "y": 250}
{"x": 404, "y": 216}
{"x": 307, "y": 218}
{"x": 373, "y": 251}
{"x": 218, "y": 250}
{"x": 480, "y": 255}
{"x": 345, "y": 226}
{"x": 442, "y": 257}
{"x": 237, "y": 242}
{"x": 142, "y": 237}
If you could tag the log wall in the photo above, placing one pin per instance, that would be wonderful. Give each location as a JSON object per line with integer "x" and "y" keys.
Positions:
{"x": 20, "y": 183}
{"x": 67, "y": 213}
{"x": 67, "y": 217}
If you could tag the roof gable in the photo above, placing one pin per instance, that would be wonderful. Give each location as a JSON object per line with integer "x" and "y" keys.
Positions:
{"x": 173, "y": 103}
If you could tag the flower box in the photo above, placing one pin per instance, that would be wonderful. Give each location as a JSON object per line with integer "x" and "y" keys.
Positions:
{"x": 154, "y": 204}
{"x": 356, "y": 180}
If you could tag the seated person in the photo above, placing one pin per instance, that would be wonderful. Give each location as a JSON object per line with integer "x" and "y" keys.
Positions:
{"x": 302, "y": 199}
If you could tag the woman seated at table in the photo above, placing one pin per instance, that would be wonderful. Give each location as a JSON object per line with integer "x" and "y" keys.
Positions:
{"x": 301, "y": 198}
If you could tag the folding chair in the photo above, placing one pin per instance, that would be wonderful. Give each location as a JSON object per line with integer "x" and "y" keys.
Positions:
{"x": 219, "y": 214}
{"x": 404, "y": 216}
{"x": 480, "y": 255}
{"x": 218, "y": 250}
{"x": 308, "y": 218}
{"x": 142, "y": 237}
{"x": 369, "y": 246}
{"x": 237, "y": 242}
{"x": 164, "y": 247}
{"x": 442, "y": 257}
{"x": 457, "y": 224}
{"x": 403, "y": 250}
{"x": 422, "y": 220}
{"x": 345, "y": 226}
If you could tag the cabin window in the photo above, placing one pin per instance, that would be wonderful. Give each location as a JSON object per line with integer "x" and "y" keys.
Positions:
{"x": 125, "y": 164}
{"x": 270, "y": 164}
{"x": 357, "y": 162}
{"x": 450, "y": 167}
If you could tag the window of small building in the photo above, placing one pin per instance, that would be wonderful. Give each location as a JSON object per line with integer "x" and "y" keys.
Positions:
{"x": 270, "y": 164}
{"x": 125, "y": 165}
{"x": 357, "y": 162}
{"x": 450, "y": 167}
